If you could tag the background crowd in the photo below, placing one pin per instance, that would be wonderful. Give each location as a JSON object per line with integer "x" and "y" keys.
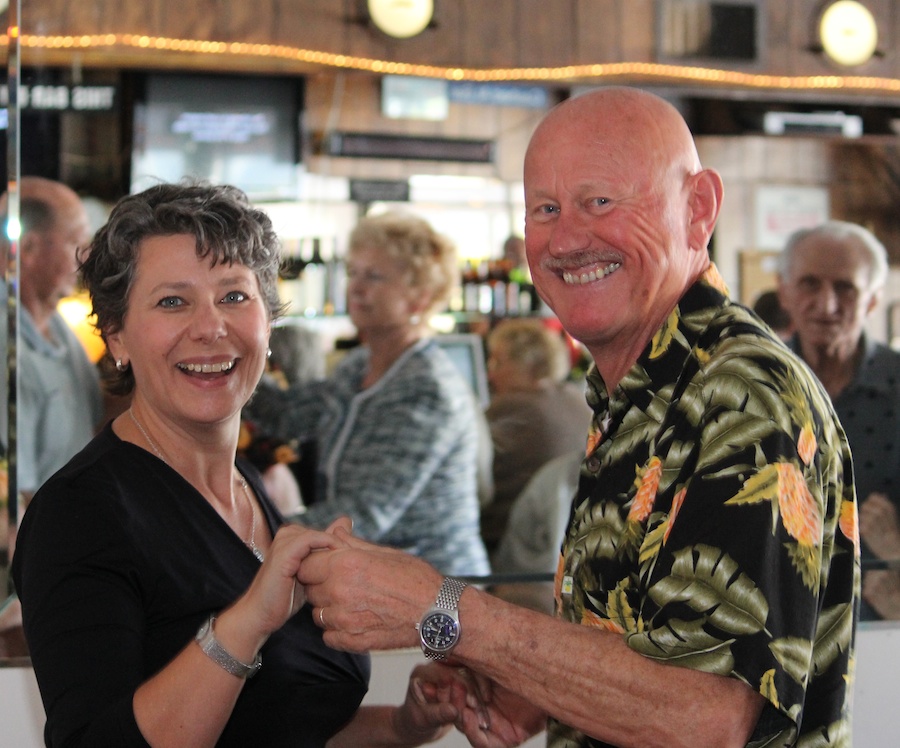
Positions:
{"x": 258, "y": 453}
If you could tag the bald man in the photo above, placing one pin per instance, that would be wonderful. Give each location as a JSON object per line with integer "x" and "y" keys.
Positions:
{"x": 708, "y": 584}
{"x": 59, "y": 403}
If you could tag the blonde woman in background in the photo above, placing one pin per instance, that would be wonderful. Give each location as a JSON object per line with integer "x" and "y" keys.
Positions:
{"x": 396, "y": 424}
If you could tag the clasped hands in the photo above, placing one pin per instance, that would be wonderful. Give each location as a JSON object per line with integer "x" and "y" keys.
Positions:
{"x": 369, "y": 597}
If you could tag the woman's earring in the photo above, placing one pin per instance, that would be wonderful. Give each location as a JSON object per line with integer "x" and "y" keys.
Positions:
{"x": 121, "y": 365}
{"x": 415, "y": 319}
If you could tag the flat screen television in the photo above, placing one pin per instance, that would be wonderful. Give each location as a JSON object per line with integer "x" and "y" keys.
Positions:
{"x": 227, "y": 129}
{"x": 466, "y": 350}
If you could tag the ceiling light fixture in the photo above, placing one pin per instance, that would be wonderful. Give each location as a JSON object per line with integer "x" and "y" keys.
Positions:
{"x": 401, "y": 18}
{"x": 848, "y": 33}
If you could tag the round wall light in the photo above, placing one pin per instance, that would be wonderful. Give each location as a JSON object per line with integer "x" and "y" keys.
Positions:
{"x": 848, "y": 33}
{"x": 401, "y": 18}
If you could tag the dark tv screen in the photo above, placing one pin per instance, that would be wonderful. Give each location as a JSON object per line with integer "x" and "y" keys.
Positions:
{"x": 466, "y": 351}
{"x": 240, "y": 130}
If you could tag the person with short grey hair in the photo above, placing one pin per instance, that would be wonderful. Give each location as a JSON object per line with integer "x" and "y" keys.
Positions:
{"x": 831, "y": 281}
{"x": 840, "y": 231}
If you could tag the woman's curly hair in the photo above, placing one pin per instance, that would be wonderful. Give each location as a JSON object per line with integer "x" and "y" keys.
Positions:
{"x": 227, "y": 229}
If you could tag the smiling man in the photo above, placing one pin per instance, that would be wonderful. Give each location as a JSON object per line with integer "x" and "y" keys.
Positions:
{"x": 831, "y": 280}
{"x": 707, "y": 588}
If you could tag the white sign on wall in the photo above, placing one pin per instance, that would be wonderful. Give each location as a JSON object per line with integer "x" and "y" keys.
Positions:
{"x": 781, "y": 210}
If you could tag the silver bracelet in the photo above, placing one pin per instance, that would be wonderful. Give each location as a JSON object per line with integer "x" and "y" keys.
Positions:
{"x": 206, "y": 638}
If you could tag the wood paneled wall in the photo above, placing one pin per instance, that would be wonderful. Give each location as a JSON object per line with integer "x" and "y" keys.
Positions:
{"x": 466, "y": 33}
{"x": 471, "y": 34}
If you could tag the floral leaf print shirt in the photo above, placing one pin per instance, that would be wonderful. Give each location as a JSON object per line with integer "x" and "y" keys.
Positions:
{"x": 715, "y": 521}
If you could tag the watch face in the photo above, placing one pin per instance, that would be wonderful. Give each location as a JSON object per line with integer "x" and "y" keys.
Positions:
{"x": 439, "y": 631}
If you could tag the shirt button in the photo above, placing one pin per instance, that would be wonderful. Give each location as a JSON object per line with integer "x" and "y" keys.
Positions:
{"x": 593, "y": 463}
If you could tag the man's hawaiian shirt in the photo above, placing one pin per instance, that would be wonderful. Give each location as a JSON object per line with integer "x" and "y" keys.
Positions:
{"x": 715, "y": 522}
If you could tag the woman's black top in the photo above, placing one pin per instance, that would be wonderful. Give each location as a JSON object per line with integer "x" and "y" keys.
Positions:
{"x": 119, "y": 561}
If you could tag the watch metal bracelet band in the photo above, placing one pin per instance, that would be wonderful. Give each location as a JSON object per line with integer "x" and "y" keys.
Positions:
{"x": 211, "y": 647}
{"x": 439, "y": 630}
{"x": 449, "y": 594}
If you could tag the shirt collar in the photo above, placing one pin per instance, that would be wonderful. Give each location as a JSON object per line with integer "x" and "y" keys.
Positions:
{"x": 867, "y": 375}
{"x": 32, "y": 337}
{"x": 665, "y": 355}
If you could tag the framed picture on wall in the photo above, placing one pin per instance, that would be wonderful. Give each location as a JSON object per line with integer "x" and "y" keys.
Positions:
{"x": 781, "y": 210}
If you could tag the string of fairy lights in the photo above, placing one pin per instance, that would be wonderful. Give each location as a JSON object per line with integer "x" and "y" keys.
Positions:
{"x": 566, "y": 73}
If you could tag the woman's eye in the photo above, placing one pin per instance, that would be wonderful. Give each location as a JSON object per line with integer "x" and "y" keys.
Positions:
{"x": 170, "y": 302}
{"x": 234, "y": 297}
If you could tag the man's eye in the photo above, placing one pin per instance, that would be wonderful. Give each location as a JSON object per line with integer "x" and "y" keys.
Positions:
{"x": 549, "y": 210}
{"x": 600, "y": 201}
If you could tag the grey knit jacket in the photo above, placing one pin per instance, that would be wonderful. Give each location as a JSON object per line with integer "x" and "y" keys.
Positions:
{"x": 399, "y": 457}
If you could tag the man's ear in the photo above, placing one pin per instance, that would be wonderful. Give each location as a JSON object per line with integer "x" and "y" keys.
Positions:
{"x": 704, "y": 202}
{"x": 29, "y": 247}
{"x": 874, "y": 301}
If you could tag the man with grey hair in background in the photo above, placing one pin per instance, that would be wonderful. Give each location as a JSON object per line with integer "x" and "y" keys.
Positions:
{"x": 831, "y": 278}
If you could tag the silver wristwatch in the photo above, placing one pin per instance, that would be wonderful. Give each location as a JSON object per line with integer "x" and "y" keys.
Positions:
{"x": 206, "y": 638}
{"x": 439, "y": 629}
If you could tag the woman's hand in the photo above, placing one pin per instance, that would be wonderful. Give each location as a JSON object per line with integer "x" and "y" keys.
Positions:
{"x": 489, "y": 716}
{"x": 275, "y": 593}
{"x": 426, "y": 717}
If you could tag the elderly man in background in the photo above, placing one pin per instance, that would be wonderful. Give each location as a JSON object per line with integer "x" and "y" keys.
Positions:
{"x": 831, "y": 280}
{"x": 58, "y": 399}
{"x": 707, "y": 589}
{"x": 59, "y": 402}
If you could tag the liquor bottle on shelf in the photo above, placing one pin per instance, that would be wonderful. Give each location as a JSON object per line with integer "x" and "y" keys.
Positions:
{"x": 335, "y": 283}
{"x": 314, "y": 277}
{"x": 469, "y": 287}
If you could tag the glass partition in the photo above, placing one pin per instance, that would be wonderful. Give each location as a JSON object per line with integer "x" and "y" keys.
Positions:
{"x": 426, "y": 185}
{"x": 11, "y": 643}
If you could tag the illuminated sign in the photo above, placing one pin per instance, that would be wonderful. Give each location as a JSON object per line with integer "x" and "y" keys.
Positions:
{"x": 63, "y": 98}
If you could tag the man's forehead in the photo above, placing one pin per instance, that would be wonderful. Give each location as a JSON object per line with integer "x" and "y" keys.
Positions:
{"x": 830, "y": 257}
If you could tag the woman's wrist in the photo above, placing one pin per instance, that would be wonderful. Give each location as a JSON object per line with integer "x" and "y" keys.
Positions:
{"x": 408, "y": 734}
{"x": 238, "y": 635}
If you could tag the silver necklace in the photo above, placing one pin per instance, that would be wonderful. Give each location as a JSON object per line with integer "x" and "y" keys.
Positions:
{"x": 147, "y": 436}
{"x": 254, "y": 549}
{"x": 251, "y": 544}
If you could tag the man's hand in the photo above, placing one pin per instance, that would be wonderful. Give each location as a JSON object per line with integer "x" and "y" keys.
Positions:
{"x": 879, "y": 526}
{"x": 881, "y": 589}
{"x": 367, "y": 597}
